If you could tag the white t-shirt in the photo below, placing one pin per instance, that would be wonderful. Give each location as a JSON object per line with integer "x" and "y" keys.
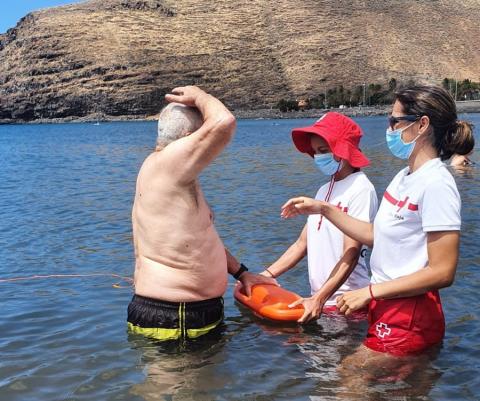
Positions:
{"x": 413, "y": 205}
{"x": 356, "y": 196}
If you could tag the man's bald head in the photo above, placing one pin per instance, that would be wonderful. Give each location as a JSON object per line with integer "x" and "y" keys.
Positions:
{"x": 176, "y": 121}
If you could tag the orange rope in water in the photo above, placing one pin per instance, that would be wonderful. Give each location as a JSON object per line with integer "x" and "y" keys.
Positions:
{"x": 12, "y": 279}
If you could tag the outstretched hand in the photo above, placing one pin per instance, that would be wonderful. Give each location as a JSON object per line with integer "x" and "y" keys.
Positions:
{"x": 313, "y": 309}
{"x": 302, "y": 205}
{"x": 186, "y": 95}
{"x": 250, "y": 279}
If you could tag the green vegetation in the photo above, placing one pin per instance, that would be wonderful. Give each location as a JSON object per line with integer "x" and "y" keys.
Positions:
{"x": 373, "y": 94}
{"x": 287, "y": 105}
{"x": 462, "y": 90}
{"x": 367, "y": 94}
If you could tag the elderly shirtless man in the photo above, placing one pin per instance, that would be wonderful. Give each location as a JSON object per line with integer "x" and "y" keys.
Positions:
{"x": 181, "y": 263}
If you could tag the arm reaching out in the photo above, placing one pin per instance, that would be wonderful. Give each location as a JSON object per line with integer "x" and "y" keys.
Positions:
{"x": 356, "y": 229}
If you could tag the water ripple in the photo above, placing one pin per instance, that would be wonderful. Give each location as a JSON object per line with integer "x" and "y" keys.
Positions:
{"x": 65, "y": 205}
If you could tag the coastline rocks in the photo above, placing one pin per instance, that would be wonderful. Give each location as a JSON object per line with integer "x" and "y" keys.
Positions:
{"x": 311, "y": 113}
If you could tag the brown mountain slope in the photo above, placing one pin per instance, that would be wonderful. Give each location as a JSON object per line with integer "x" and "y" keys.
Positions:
{"x": 118, "y": 57}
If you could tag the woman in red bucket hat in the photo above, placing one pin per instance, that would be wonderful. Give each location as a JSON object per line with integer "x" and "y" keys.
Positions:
{"x": 336, "y": 263}
{"x": 415, "y": 234}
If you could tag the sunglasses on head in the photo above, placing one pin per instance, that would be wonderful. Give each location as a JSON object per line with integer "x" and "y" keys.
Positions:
{"x": 392, "y": 121}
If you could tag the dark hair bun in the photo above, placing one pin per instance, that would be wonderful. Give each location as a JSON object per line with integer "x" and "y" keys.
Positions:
{"x": 459, "y": 139}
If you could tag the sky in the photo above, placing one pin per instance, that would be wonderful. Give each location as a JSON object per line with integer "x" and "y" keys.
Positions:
{"x": 12, "y": 10}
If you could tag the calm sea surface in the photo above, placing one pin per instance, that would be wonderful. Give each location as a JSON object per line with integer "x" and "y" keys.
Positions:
{"x": 66, "y": 193}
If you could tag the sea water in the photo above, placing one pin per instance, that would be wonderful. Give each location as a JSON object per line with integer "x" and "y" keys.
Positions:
{"x": 66, "y": 193}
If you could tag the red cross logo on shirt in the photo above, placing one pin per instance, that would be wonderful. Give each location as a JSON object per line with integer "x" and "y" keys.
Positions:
{"x": 342, "y": 208}
{"x": 383, "y": 330}
{"x": 400, "y": 203}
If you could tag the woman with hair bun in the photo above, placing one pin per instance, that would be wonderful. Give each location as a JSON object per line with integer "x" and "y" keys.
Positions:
{"x": 415, "y": 234}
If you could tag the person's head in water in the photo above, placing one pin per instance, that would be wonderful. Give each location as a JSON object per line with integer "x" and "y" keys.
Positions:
{"x": 175, "y": 122}
{"x": 428, "y": 115}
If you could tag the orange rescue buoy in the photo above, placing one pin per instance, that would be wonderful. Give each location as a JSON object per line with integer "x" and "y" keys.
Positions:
{"x": 271, "y": 302}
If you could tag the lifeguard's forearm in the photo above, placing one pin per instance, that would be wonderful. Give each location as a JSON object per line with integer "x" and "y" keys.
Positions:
{"x": 416, "y": 283}
{"x": 359, "y": 230}
{"x": 294, "y": 254}
{"x": 442, "y": 250}
{"x": 339, "y": 274}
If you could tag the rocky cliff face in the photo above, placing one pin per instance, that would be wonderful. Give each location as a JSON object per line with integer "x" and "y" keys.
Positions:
{"x": 119, "y": 57}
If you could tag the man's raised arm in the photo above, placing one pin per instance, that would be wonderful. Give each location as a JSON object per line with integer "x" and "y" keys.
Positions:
{"x": 189, "y": 155}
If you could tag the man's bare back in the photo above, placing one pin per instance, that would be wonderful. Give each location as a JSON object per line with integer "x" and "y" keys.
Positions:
{"x": 179, "y": 255}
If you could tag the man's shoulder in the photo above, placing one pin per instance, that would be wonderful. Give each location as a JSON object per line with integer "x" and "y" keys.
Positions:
{"x": 151, "y": 158}
{"x": 155, "y": 178}
{"x": 153, "y": 163}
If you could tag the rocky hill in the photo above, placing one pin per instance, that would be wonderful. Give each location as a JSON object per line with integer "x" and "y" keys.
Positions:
{"x": 119, "y": 57}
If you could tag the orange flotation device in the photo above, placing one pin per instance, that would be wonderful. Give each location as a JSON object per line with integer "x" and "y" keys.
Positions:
{"x": 271, "y": 302}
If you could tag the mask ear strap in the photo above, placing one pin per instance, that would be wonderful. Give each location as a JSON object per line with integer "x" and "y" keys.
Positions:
{"x": 403, "y": 129}
{"x": 413, "y": 140}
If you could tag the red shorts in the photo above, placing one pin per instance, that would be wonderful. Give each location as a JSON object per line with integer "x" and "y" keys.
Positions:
{"x": 360, "y": 314}
{"x": 405, "y": 326}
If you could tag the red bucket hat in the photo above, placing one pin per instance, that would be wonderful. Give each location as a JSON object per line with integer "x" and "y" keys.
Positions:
{"x": 341, "y": 133}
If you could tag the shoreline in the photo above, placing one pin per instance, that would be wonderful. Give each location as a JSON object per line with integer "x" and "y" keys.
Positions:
{"x": 242, "y": 114}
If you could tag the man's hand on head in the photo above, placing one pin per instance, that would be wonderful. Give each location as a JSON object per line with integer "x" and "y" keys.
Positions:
{"x": 186, "y": 95}
{"x": 250, "y": 279}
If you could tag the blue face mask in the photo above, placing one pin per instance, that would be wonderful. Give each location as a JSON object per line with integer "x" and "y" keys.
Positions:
{"x": 326, "y": 163}
{"x": 396, "y": 145}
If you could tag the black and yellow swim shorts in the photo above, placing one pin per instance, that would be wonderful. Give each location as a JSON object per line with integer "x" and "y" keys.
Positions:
{"x": 164, "y": 320}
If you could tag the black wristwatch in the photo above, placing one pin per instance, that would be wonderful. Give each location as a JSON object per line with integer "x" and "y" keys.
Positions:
{"x": 239, "y": 272}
